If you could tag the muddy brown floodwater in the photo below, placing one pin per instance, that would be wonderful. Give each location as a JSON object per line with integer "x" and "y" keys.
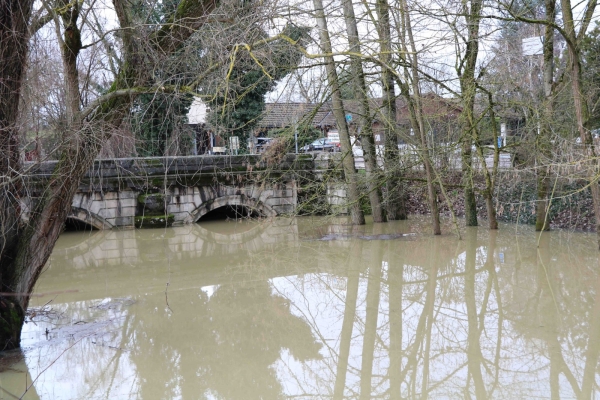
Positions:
{"x": 310, "y": 308}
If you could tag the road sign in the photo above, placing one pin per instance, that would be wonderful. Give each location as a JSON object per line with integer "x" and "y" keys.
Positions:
{"x": 234, "y": 143}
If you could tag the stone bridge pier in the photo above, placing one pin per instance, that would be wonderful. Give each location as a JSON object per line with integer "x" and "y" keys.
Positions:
{"x": 171, "y": 191}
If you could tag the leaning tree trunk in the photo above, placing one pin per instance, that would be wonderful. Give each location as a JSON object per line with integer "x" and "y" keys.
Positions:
{"x": 366, "y": 119}
{"x": 350, "y": 175}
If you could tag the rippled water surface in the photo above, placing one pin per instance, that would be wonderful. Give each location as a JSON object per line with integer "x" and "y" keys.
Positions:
{"x": 309, "y": 309}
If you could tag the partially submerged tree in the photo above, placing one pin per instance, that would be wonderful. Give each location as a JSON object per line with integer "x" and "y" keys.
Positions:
{"x": 543, "y": 153}
{"x": 411, "y": 90}
{"x": 524, "y": 88}
{"x": 393, "y": 200}
{"x": 466, "y": 69}
{"x": 580, "y": 102}
{"x": 356, "y": 215}
{"x": 366, "y": 120}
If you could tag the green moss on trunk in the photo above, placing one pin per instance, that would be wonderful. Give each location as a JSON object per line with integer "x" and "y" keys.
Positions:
{"x": 11, "y": 323}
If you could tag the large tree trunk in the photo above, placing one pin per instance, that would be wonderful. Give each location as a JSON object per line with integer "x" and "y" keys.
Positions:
{"x": 350, "y": 175}
{"x": 366, "y": 119}
{"x": 467, "y": 180}
{"x": 70, "y": 48}
{"x": 468, "y": 88}
{"x": 395, "y": 206}
{"x": 14, "y": 38}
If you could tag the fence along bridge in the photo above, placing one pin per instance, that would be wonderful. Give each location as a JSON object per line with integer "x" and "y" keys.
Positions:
{"x": 165, "y": 191}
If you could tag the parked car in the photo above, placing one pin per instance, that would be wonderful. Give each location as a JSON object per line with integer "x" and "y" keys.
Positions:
{"x": 262, "y": 144}
{"x": 322, "y": 144}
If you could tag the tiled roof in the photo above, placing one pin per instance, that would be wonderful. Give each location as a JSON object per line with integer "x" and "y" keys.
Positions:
{"x": 280, "y": 115}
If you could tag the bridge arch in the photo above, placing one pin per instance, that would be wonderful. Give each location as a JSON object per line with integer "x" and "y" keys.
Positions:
{"x": 84, "y": 216}
{"x": 233, "y": 200}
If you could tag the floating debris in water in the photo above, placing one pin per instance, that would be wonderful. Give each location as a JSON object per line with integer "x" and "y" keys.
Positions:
{"x": 389, "y": 236}
{"x": 385, "y": 236}
{"x": 111, "y": 304}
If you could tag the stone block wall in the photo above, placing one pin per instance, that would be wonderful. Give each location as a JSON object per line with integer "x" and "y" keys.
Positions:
{"x": 118, "y": 209}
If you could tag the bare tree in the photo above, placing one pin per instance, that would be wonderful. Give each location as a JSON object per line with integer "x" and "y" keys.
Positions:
{"x": 543, "y": 154}
{"x": 366, "y": 131}
{"x": 350, "y": 176}
{"x": 394, "y": 204}
{"x": 466, "y": 69}
{"x": 413, "y": 98}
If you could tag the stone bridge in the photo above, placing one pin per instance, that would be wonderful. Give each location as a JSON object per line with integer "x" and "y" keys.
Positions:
{"x": 166, "y": 191}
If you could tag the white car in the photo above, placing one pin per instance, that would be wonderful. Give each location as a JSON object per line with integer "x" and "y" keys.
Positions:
{"x": 321, "y": 144}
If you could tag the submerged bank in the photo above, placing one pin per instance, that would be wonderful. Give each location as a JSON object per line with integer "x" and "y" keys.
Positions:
{"x": 571, "y": 206}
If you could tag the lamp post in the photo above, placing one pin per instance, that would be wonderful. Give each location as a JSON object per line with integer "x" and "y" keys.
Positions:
{"x": 296, "y": 134}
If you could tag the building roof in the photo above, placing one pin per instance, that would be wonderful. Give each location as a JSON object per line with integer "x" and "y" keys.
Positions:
{"x": 281, "y": 115}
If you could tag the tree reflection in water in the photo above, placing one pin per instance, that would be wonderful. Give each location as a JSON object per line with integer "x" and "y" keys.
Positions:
{"x": 274, "y": 313}
{"x": 225, "y": 346}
